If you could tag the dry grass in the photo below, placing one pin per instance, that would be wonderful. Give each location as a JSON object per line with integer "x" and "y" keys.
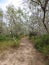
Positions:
{"x": 9, "y": 43}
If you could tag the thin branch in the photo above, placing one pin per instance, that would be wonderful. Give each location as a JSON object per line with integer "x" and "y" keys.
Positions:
{"x": 39, "y": 2}
{"x": 35, "y": 2}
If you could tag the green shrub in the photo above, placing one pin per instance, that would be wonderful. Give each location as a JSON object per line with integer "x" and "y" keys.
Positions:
{"x": 42, "y": 44}
{"x": 9, "y": 41}
{"x": 2, "y": 38}
{"x": 8, "y": 37}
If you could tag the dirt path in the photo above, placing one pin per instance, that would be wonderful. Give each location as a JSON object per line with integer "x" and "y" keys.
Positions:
{"x": 24, "y": 55}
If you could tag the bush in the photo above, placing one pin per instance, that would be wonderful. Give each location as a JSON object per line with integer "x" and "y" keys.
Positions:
{"x": 8, "y": 37}
{"x": 2, "y": 38}
{"x": 8, "y": 41}
{"x": 42, "y": 44}
{"x": 32, "y": 34}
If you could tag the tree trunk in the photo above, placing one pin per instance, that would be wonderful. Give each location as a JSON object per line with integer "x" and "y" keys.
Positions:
{"x": 44, "y": 22}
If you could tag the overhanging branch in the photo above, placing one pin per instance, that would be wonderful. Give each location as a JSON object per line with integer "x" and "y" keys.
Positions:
{"x": 35, "y": 2}
{"x": 38, "y": 2}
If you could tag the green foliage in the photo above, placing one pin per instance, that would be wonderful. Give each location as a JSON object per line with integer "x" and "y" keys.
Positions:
{"x": 8, "y": 37}
{"x": 42, "y": 44}
{"x": 31, "y": 34}
{"x": 4, "y": 37}
{"x": 8, "y": 41}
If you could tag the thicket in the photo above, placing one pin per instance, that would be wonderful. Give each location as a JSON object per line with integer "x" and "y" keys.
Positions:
{"x": 42, "y": 44}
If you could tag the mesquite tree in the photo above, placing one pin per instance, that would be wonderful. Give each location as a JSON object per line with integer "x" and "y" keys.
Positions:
{"x": 44, "y": 7}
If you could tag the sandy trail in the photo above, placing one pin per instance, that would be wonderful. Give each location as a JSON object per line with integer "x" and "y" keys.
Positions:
{"x": 26, "y": 54}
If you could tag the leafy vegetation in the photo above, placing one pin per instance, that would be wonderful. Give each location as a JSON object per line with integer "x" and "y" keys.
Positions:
{"x": 7, "y": 41}
{"x": 42, "y": 43}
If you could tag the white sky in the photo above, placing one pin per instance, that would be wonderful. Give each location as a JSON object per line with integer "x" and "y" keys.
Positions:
{"x": 16, "y": 3}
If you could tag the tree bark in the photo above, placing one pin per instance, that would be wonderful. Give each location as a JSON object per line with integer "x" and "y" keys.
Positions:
{"x": 44, "y": 14}
{"x": 44, "y": 22}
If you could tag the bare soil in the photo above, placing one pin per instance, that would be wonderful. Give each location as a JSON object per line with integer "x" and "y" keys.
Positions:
{"x": 26, "y": 54}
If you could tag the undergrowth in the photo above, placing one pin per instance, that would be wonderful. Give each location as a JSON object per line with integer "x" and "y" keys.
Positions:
{"x": 8, "y": 41}
{"x": 42, "y": 44}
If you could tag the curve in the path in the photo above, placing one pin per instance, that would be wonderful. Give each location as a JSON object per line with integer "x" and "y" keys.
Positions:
{"x": 25, "y": 55}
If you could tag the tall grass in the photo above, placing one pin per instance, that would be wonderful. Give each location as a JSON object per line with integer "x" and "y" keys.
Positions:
{"x": 8, "y": 41}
